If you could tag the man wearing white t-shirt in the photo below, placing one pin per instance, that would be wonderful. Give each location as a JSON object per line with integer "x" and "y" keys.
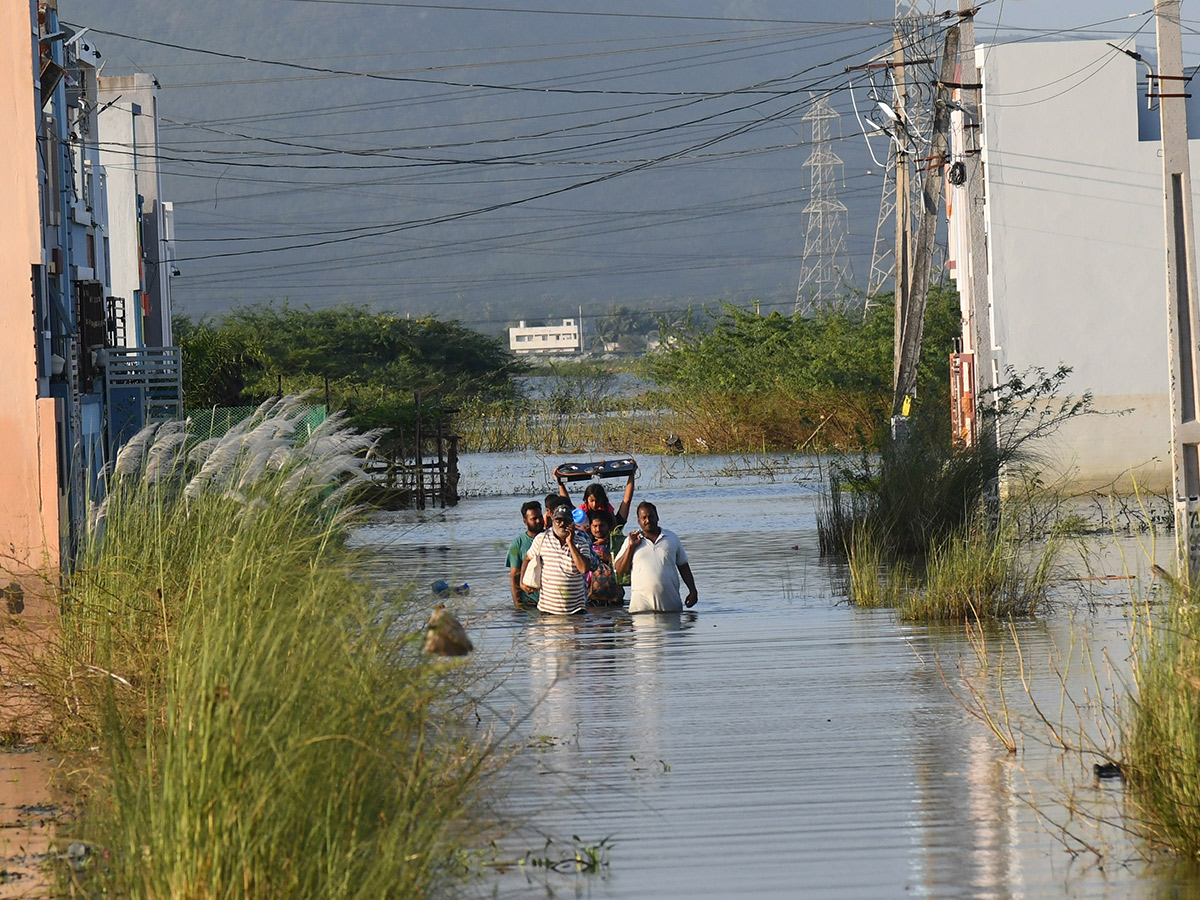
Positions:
{"x": 657, "y": 561}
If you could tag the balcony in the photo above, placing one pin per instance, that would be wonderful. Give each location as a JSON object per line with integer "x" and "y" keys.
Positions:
{"x": 141, "y": 385}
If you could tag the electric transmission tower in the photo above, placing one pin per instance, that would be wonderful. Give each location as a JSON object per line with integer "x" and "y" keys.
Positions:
{"x": 910, "y": 87}
{"x": 825, "y": 273}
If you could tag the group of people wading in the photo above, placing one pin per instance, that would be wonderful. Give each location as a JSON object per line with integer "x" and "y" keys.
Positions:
{"x": 570, "y": 559}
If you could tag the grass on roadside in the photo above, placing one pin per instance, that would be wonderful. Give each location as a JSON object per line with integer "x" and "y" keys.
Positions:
{"x": 874, "y": 583}
{"x": 266, "y": 726}
{"x": 920, "y": 491}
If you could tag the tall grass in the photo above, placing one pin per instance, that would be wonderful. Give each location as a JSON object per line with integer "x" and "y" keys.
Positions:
{"x": 267, "y": 727}
{"x": 777, "y": 418}
{"x": 1161, "y": 734}
{"x": 971, "y": 575}
{"x": 983, "y": 574}
{"x": 875, "y": 582}
{"x": 915, "y": 498}
{"x": 551, "y": 425}
{"x": 703, "y": 423}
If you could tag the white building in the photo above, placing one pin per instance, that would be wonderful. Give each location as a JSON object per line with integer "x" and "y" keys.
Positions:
{"x": 142, "y": 229}
{"x": 1074, "y": 222}
{"x": 564, "y": 338}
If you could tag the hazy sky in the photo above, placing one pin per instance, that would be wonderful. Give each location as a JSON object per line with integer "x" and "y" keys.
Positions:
{"x": 498, "y": 161}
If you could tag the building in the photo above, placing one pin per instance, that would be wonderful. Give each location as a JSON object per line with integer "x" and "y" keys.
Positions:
{"x": 560, "y": 339}
{"x": 141, "y": 224}
{"x": 29, "y": 417}
{"x": 143, "y": 370}
{"x": 1075, "y": 252}
{"x": 72, "y": 389}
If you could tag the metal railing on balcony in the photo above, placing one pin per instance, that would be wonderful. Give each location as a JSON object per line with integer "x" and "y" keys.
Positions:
{"x": 141, "y": 385}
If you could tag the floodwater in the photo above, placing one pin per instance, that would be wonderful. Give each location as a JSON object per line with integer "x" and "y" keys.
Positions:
{"x": 775, "y": 742}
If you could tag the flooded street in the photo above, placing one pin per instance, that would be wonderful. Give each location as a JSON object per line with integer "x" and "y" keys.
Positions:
{"x": 775, "y": 741}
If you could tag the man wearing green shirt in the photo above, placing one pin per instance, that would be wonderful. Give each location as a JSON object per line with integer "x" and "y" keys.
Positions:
{"x": 531, "y": 513}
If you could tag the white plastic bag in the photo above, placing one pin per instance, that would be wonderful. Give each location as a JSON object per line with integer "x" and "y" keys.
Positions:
{"x": 531, "y": 575}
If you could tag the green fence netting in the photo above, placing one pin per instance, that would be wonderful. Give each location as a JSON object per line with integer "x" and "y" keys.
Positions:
{"x": 216, "y": 421}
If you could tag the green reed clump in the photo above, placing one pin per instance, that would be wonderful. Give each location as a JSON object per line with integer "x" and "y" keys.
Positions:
{"x": 912, "y": 497}
{"x": 1161, "y": 731}
{"x": 983, "y": 574}
{"x": 971, "y": 575}
{"x": 267, "y": 727}
{"x": 874, "y": 583}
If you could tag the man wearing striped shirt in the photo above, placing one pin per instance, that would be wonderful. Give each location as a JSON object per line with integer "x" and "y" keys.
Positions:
{"x": 566, "y": 556}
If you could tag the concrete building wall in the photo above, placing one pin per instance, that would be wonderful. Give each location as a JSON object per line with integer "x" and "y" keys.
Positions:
{"x": 1076, "y": 255}
{"x": 117, "y": 134}
{"x": 28, "y": 477}
{"x": 140, "y": 238}
{"x": 564, "y": 338}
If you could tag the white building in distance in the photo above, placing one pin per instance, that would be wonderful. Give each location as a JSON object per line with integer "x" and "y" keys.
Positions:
{"x": 1076, "y": 259}
{"x": 561, "y": 339}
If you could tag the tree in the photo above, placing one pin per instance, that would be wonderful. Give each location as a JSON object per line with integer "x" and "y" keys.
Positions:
{"x": 216, "y": 363}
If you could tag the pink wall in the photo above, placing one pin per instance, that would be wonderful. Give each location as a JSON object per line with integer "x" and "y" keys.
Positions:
{"x": 28, "y": 469}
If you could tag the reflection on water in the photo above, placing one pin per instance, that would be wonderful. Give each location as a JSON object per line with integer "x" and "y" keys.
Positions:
{"x": 774, "y": 741}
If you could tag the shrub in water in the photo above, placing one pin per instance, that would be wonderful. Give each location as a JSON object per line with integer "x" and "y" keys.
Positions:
{"x": 982, "y": 574}
{"x": 918, "y": 492}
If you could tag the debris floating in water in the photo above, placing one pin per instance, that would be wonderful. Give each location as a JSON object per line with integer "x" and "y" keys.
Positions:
{"x": 445, "y": 636}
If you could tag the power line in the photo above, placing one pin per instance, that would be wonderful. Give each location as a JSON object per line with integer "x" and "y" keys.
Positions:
{"x": 395, "y": 4}
{"x": 402, "y": 79}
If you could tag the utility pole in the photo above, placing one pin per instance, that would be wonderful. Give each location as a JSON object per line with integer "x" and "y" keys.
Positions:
{"x": 908, "y": 349}
{"x": 903, "y": 244}
{"x": 1183, "y": 320}
{"x": 913, "y": 45}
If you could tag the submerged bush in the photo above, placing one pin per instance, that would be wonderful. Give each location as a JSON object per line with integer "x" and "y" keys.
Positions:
{"x": 919, "y": 492}
{"x": 266, "y": 726}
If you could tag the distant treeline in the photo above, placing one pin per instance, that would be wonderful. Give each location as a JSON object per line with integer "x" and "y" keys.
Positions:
{"x": 729, "y": 380}
{"x": 726, "y": 381}
{"x": 370, "y": 365}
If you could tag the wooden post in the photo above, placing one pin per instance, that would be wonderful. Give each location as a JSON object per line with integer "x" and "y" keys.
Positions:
{"x": 452, "y": 464}
{"x": 418, "y": 458}
{"x": 440, "y": 486}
